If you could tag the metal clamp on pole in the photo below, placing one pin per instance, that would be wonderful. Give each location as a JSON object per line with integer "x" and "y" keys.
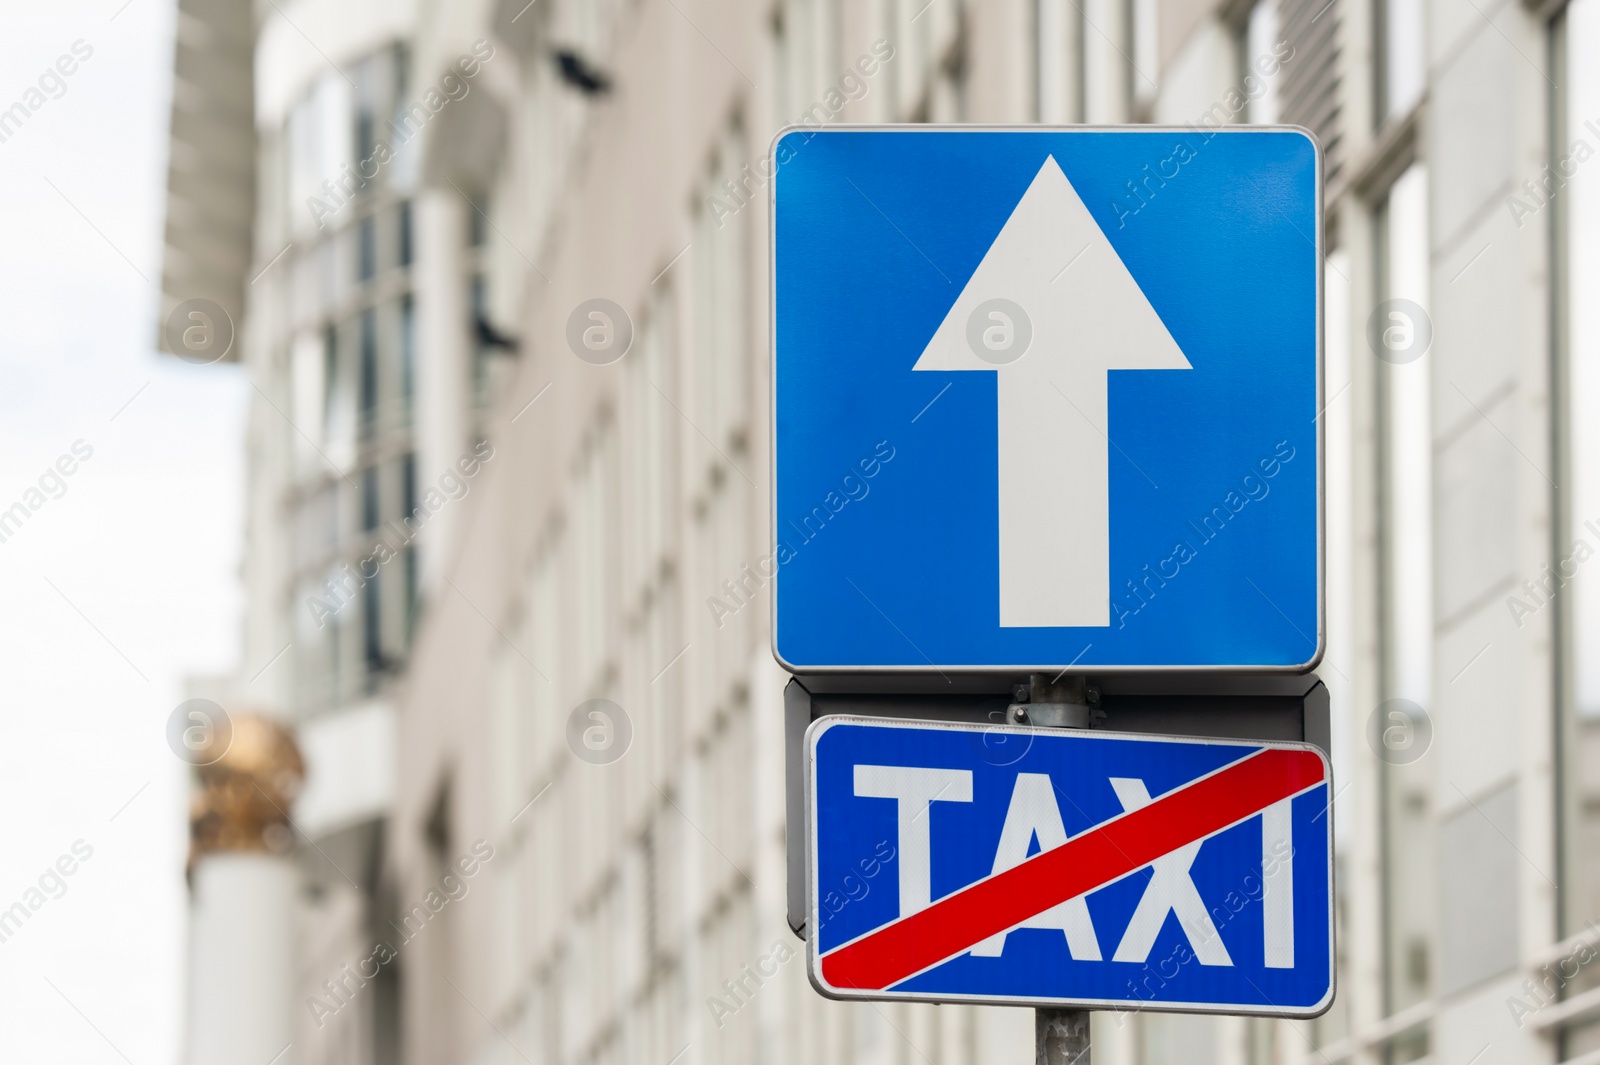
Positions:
{"x": 1060, "y": 1037}
{"x": 1069, "y": 703}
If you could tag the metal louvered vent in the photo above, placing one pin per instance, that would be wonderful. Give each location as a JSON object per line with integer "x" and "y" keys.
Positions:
{"x": 1310, "y": 89}
{"x": 211, "y": 176}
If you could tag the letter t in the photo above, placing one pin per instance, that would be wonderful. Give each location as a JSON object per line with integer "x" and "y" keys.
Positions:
{"x": 915, "y": 789}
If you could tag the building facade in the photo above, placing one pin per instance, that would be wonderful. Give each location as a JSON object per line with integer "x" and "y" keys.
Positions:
{"x": 480, "y": 499}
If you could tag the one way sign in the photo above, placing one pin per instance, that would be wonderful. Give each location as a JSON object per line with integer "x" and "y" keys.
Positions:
{"x": 962, "y": 863}
{"x": 1095, "y": 359}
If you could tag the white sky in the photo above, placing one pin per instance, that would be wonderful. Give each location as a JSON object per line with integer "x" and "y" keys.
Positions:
{"x": 145, "y": 542}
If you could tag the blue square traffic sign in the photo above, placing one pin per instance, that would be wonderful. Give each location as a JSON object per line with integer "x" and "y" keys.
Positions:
{"x": 1047, "y": 398}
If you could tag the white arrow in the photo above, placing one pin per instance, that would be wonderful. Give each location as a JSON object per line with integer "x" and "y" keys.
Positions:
{"x": 1051, "y": 344}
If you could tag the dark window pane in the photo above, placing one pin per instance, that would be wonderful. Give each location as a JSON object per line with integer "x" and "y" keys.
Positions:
{"x": 402, "y": 74}
{"x": 372, "y": 627}
{"x": 330, "y": 371}
{"x": 369, "y": 367}
{"x": 365, "y": 142}
{"x": 480, "y": 350}
{"x": 408, "y": 348}
{"x": 403, "y": 221}
{"x": 411, "y": 589}
{"x": 369, "y": 499}
{"x": 367, "y": 249}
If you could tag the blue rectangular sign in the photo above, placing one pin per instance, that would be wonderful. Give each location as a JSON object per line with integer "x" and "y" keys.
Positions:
{"x": 1073, "y": 868}
{"x": 1047, "y": 399}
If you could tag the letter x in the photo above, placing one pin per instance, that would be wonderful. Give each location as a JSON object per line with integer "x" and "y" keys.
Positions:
{"x": 1170, "y": 890}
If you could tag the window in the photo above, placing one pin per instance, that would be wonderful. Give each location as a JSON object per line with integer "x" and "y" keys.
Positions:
{"x": 369, "y": 369}
{"x": 321, "y": 142}
{"x": 718, "y": 386}
{"x": 649, "y": 458}
{"x": 367, "y": 92}
{"x": 947, "y": 94}
{"x": 594, "y": 568}
{"x": 408, "y": 486}
{"x": 1145, "y": 68}
{"x": 805, "y": 39}
{"x": 1406, "y": 609}
{"x": 408, "y": 349}
{"x": 1258, "y": 55}
{"x": 366, "y": 249}
{"x": 355, "y": 370}
{"x": 1058, "y": 90}
{"x": 1339, "y": 665}
{"x": 408, "y": 507}
{"x": 365, "y": 140}
{"x": 321, "y": 685}
{"x": 407, "y": 158}
{"x": 370, "y": 511}
{"x": 479, "y": 298}
{"x": 402, "y": 75}
{"x": 929, "y": 69}
{"x": 720, "y": 278}
{"x": 403, "y": 233}
{"x": 371, "y": 629}
{"x": 1567, "y": 199}
{"x": 1401, "y": 62}
{"x": 330, "y": 375}
{"x": 1175, "y": 1037}
{"x": 1107, "y": 68}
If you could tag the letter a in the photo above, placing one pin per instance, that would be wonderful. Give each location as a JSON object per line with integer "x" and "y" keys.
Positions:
{"x": 1170, "y": 890}
{"x": 1034, "y": 812}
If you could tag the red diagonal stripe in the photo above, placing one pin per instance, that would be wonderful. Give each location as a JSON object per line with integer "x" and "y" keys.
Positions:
{"x": 1088, "y": 861}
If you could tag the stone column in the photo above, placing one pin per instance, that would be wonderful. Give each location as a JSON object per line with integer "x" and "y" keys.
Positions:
{"x": 444, "y": 361}
{"x": 243, "y": 880}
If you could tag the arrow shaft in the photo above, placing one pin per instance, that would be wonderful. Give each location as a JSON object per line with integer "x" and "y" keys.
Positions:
{"x": 1055, "y": 508}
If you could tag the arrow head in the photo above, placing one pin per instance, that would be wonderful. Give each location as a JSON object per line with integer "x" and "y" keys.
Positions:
{"x": 1052, "y": 297}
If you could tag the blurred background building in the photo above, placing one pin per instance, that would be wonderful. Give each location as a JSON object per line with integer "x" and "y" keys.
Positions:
{"x": 459, "y": 531}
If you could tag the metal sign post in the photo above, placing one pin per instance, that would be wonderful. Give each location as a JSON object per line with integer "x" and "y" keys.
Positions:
{"x": 1060, "y": 1037}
